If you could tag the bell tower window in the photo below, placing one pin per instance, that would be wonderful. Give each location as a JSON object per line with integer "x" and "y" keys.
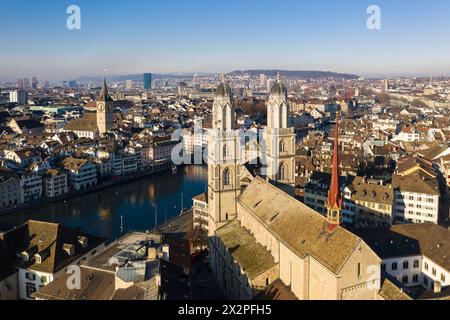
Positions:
{"x": 226, "y": 177}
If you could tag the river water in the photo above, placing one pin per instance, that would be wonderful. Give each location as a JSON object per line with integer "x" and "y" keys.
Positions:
{"x": 101, "y": 213}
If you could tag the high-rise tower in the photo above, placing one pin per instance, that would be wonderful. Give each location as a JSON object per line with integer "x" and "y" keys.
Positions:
{"x": 334, "y": 203}
{"x": 280, "y": 140}
{"x": 105, "y": 115}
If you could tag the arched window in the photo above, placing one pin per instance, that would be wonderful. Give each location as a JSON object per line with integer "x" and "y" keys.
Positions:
{"x": 282, "y": 172}
{"x": 226, "y": 177}
{"x": 226, "y": 151}
{"x": 282, "y": 146}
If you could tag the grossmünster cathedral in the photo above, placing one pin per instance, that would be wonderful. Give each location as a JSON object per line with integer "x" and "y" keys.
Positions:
{"x": 264, "y": 241}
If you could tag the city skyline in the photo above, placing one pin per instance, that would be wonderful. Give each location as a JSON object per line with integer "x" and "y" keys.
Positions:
{"x": 205, "y": 36}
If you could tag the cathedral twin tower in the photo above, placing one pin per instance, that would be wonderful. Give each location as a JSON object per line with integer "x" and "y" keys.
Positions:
{"x": 277, "y": 152}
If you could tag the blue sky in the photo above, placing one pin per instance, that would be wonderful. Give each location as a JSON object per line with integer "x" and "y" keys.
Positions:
{"x": 134, "y": 36}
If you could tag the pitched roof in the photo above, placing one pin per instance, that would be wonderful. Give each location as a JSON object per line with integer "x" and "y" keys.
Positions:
{"x": 47, "y": 239}
{"x": 371, "y": 192}
{"x": 95, "y": 285}
{"x": 391, "y": 291}
{"x": 88, "y": 122}
{"x": 28, "y": 123}
{"x": 73, "y": 163}
{"x": 407, "y": 163}
{"x": 276, "y": 291}
{"x": 417, "y": 183}
{"x": 251, "y": 256}
{"x": 428, "y": 239}
{"x": 434, "y": 151}
{"x": 297, "y": 226}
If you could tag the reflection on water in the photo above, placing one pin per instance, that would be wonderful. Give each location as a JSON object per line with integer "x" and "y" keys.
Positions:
{"x": 99, "y": 213}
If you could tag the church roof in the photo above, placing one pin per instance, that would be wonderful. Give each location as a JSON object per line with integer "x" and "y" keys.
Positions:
{"x": 297, "y": 226}
{"x": 223, "y": 90}
{"x": 251, "y": 256}
{"x": 278, "y": 88}
{"x": 104, "y": 96}
{"x": 88, "y": 122}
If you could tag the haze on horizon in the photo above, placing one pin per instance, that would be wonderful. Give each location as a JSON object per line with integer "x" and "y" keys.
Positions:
{"x": 174, "y": 36}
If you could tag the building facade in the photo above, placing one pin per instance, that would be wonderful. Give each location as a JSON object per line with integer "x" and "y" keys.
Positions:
{"x": 280, "y": 140}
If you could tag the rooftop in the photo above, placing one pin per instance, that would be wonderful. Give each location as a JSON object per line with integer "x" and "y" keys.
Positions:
{"x": 253, "y": 258}
{"x": 297, "y": 226}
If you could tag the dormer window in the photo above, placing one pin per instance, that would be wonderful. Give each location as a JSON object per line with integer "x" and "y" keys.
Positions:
{"x": 83, "y": 241}
{"x": 40, "y": 257}
{"x": 24, "y": 256}
{"x": 69, "y": 249}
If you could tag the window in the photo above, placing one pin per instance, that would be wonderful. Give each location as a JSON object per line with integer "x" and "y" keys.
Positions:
{"x": 443, "y": 278}
{"x": 44, "y": 279}
{"x": 226, "y": 152}
{"x": 405, "y": 279}
{"x": 226, "y": 177}
{"x": 30, "y": 289}
{"x": 405, "y": 265}
{"x": 359, "y": 270}
{"x": 415, "y": 278}
{"x": 394, "y": 266}
{"x": 425, "y": 281}
{"x": 416, "y": 264}
{"x": 426, "y": 266}
{"x": 383, "y": 266}
{"x": 282, "y": 172}
{"x": 30, "y": 276}
{"x": 282, "y": 146}
{"x": 434, "y": 271}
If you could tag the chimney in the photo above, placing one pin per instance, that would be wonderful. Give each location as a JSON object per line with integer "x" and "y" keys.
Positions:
{"x": 437, "y": 287}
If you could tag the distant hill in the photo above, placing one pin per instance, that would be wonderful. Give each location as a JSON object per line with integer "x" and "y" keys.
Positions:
{"x": 134, "y": 77}
{"x": 254, "y": 73}
{"x": 297, "y": 74}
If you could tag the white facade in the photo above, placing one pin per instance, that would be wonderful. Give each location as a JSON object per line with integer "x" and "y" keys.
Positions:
{"x": 417, "y": 270}
{"x": 31, "y": 187}
{"x": 416, "y": 207}
{"x": 407, "y": 137}
{"x": 30, "y": 280}
{"x": 83, "y": 177}
{"x": 18, "y": 96}
{"x": 56, "y": 185}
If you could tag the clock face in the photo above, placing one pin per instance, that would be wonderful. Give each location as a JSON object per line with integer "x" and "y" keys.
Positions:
{"x": 101, "y": 107}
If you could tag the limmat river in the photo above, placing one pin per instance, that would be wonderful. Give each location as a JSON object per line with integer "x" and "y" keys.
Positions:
{"x": 101, "y": 212}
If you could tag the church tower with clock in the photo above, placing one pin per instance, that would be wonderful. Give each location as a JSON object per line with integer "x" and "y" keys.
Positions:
{"x": 105, "y": 115}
